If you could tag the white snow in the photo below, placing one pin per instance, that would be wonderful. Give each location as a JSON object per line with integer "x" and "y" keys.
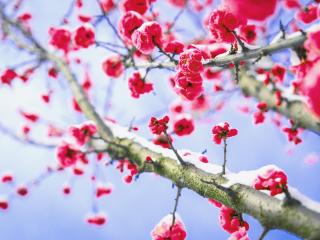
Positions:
{"x": 243, "y": 177}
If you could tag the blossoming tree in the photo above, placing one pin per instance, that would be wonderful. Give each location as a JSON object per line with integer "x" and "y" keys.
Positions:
{"x": 228, "y": 48}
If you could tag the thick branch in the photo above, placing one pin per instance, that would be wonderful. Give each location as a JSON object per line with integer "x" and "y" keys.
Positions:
{"x": 270, "y": 211}
{"x": 292, "y": 41}
{"x": 296, "y": 110}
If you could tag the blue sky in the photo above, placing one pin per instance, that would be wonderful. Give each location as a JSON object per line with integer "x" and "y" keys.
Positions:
{"x": 133, "y": 209}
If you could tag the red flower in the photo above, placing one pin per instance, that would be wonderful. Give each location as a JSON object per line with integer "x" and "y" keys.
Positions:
{"x": 312, "y": 45}
{"x": 107, "y": 5}
{"x": 241, "y": 234}
{"x": 190, "y": 61}
{"x": 76, "y": 105}
{"x": 25, "y": 17}
{"x": 22, "y": 191}
{"x": 162, "y": 141}
{"x": 308, "y": 14}
{"x": 174, "y": 47}
{"x": 46, "y": 97}
{"x": 292, "y": 135}
{"x": 210, "y": 74}
{"x": 230, "y": 220}
{"x": 83, "y": 133}
{"x": 252, "y": 9}
{"x": 68, "y": 155}
{"x": 278, "y": 72}
{"x": 84, "y": 36}
{"x": 177, "y": 108}
{"x": 273, "y": 180}
{"x": 140, "y": 6}
{"x": 292, "y": 4}
{"x": 203, "y": 159}
{"x": 222, "y": 22}
{"x": 178, "y": 3}
{"x": 103, "y": 190}
{"x": 30, "y": 116}
{"x": 248, "y": 33}
{"x": 223, "y": 131}
{"x": 132, "y": 168}
{"x": 259, "y": 116}
{"x": 66, "y": 189}
{"x": 138, "y": 86}
{"x": 52, "y": 72}
{"x": 188, "y": 85}
{"x": 184, "y": 125}
{"x": 129, "y": 22}
{"x": 113, "y": 66}
{"x": 60, "y": 38}
{"x": 215, "y": 202}
{"x": 158, "y": 126}
{"x": 314, "y": 97}
{"x": 97, "y": 219}
{"x": 279, "y": 98}
{"x": 4, "y": 204}
{"x": 147, "y": 37}
{"x": 8, "y": 76}
{"x": 163, "y": 230}
{"x": 7, "y": 178}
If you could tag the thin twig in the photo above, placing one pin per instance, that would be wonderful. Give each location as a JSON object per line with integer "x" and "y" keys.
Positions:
{"x": 182, "y": 162}
{"x": 264, "y": 233}
{"x": 224, "y": 156}
{"x": 176, "y": 202}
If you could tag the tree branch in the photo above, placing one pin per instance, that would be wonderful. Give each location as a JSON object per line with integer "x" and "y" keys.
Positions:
{"x": 296, "y": 110}
{"x": 272, "y": 212}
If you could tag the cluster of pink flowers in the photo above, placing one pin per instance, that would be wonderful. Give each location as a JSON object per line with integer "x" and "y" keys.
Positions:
{"x": 222, "y": 22}
{"x": 129, "y": 22}
{"x": 273, "y": 180}
{"x": 83, "y": 132}
{"x": 188, "y": 80}
{"x": 138, "y": 85}
{"x": 259, "y": 116}
{"x": 68, "y": 154}
{"x": 308, "y": 14}
{"x": 65, "y": 40}
{"x": 163, "y": 230}
{"x": 131, "y": 168}
{"x": 147, "y": 37}
{"x": 292, "y": 134}
{"x": 232, "y": 222}
{"x": 223, "y": 131}
{"x": 158, "y": 126}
